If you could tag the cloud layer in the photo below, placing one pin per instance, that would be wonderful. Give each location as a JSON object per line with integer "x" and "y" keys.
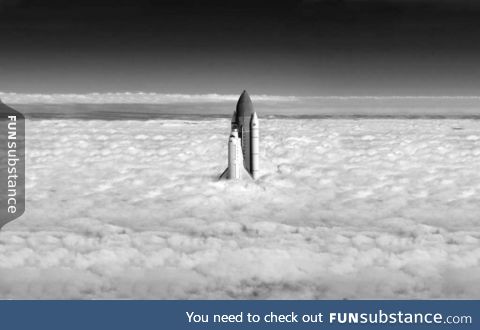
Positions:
{"x": 343, "y": 209}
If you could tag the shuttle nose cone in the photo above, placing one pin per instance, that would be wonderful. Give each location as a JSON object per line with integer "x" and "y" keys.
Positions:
{"x": 244, "y": 106}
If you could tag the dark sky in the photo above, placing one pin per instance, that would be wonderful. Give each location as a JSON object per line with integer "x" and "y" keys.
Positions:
{"x": 349, "y": 47}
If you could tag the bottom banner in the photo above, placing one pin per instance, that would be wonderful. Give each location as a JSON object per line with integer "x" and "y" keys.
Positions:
{"x": 200, "y": 314}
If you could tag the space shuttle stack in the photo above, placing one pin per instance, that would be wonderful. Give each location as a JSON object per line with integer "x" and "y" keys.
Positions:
{"x": 243, "y": 143}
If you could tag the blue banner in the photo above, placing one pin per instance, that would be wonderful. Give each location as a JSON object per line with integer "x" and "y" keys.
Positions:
{"x": 323, "y": 314}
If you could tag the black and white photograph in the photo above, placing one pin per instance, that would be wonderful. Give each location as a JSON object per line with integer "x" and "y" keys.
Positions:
{"x": 254, "y": 150}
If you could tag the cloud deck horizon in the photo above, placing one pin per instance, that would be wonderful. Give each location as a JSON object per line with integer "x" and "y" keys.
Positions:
{"x": 167, "y": 98}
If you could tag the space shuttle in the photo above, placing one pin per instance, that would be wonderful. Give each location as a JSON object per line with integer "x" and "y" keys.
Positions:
{"x": 243, "y": 143}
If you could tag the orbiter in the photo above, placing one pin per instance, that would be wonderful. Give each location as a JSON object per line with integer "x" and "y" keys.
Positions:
{"x": 243, "y": 143}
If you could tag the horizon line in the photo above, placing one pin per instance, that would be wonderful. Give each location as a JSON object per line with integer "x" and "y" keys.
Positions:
{"x": 167, "y": 98}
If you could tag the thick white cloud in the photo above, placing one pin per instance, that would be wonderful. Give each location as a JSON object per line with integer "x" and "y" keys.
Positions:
{"x": 343, "y": 209}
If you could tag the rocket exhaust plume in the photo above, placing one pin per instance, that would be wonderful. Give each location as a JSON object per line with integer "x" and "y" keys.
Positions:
{"x": 244, "y": 141}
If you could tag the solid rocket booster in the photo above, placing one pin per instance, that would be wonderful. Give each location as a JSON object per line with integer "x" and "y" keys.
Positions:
{"x": 234, "y": 121}
{"x": 243, "y": 143}
{"x": 235, "y": 159}
{"x": 255, "y": 137}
